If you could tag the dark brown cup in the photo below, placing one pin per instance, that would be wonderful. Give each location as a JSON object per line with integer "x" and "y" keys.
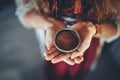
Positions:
{"x": 67, "y": 40}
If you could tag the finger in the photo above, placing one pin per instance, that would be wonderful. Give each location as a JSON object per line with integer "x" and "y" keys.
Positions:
{"x": 69, "y": 61}
{"x": 50, "y": 46}
{"x": 77, "y": 26}
{"x": 83, "y": 47}
{"x": 60, "y": 57}
{"x": 78, "y": 60}
{"x": 89, "y": 23}
{"x": 53, "y": 49}
{"x": 52, "y": 55}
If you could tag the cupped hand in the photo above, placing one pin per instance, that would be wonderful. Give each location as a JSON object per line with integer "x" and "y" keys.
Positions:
{"x": 52, "y": 53}
{"x": 86, "y": 31}
{"x": 50, "y": 31}
{"x": 55, "y": 56}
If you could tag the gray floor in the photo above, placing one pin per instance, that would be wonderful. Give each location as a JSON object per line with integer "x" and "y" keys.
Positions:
{"x": 20, "y": 57}
{"x": 19, "y": 51}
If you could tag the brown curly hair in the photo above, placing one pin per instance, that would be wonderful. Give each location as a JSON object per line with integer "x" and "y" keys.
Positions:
{"x": 97, "y": 11}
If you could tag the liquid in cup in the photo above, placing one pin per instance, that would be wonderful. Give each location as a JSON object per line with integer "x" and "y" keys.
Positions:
{"x": 67, "y": 40}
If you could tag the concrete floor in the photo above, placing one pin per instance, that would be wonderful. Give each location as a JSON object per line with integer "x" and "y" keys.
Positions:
{"x": 20, "y": 56}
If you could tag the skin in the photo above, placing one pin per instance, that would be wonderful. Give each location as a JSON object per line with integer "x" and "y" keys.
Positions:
{"x": 86, "y": 30}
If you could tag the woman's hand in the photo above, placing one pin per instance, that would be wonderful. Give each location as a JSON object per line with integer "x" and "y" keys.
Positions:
{"x": 52, "y": 53}
{"x": 86, "y": 31}
{"x": 51, "y": 30}
{"x": 55, "y": 56}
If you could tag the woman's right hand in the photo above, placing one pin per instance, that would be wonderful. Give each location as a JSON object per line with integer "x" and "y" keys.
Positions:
{"x": 52, "y": 54}
{"x": 51, "y": 30}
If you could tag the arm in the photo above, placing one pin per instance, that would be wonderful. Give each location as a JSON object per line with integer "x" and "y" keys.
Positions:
{"x": 29, "y": 16}
{"x": 21, "y": 9}
{"x": 34, "y": 19}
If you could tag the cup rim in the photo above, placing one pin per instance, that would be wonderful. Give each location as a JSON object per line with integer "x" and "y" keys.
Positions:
{"x": 69, "y": 29}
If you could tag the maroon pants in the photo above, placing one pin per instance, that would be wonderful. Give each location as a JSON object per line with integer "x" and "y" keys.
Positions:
{"x": 62, "y": 70}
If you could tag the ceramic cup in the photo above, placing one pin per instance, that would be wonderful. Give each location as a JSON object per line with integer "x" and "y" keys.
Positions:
{"x": 67, "y": 40}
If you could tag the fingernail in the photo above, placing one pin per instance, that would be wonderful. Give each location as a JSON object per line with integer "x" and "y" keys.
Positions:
{"x": 53, "y": 61}
{"x": 48, "y": 59}
{"x": 71, "y": 63}
{"x": 45, "y": 54}
{"x": 82, "y": 60}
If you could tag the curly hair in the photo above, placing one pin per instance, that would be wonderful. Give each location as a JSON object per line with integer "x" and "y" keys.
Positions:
{"x": 97, "y": 11}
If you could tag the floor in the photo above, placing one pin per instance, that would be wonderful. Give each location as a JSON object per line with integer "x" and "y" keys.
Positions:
{"x": 20, "y": 57}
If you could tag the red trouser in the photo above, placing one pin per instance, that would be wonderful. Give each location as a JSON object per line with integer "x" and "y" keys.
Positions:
{"x": 61, "y": 69}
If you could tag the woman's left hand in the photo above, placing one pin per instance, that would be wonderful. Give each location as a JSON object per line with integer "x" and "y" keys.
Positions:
{"x": 86, "y": 31}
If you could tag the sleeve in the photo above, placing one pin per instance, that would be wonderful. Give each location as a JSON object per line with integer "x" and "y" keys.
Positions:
{"x": 118, "y": 24}
{"x": 117, "y": 35}
{"x": 114, "y": 49}
{"x": 22, "y": 9}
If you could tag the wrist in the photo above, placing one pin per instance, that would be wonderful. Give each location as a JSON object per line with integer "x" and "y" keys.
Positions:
{"x": 93, "y": 30}
{"x": 98, "y": 31}
{"x": 55, "y": 24}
